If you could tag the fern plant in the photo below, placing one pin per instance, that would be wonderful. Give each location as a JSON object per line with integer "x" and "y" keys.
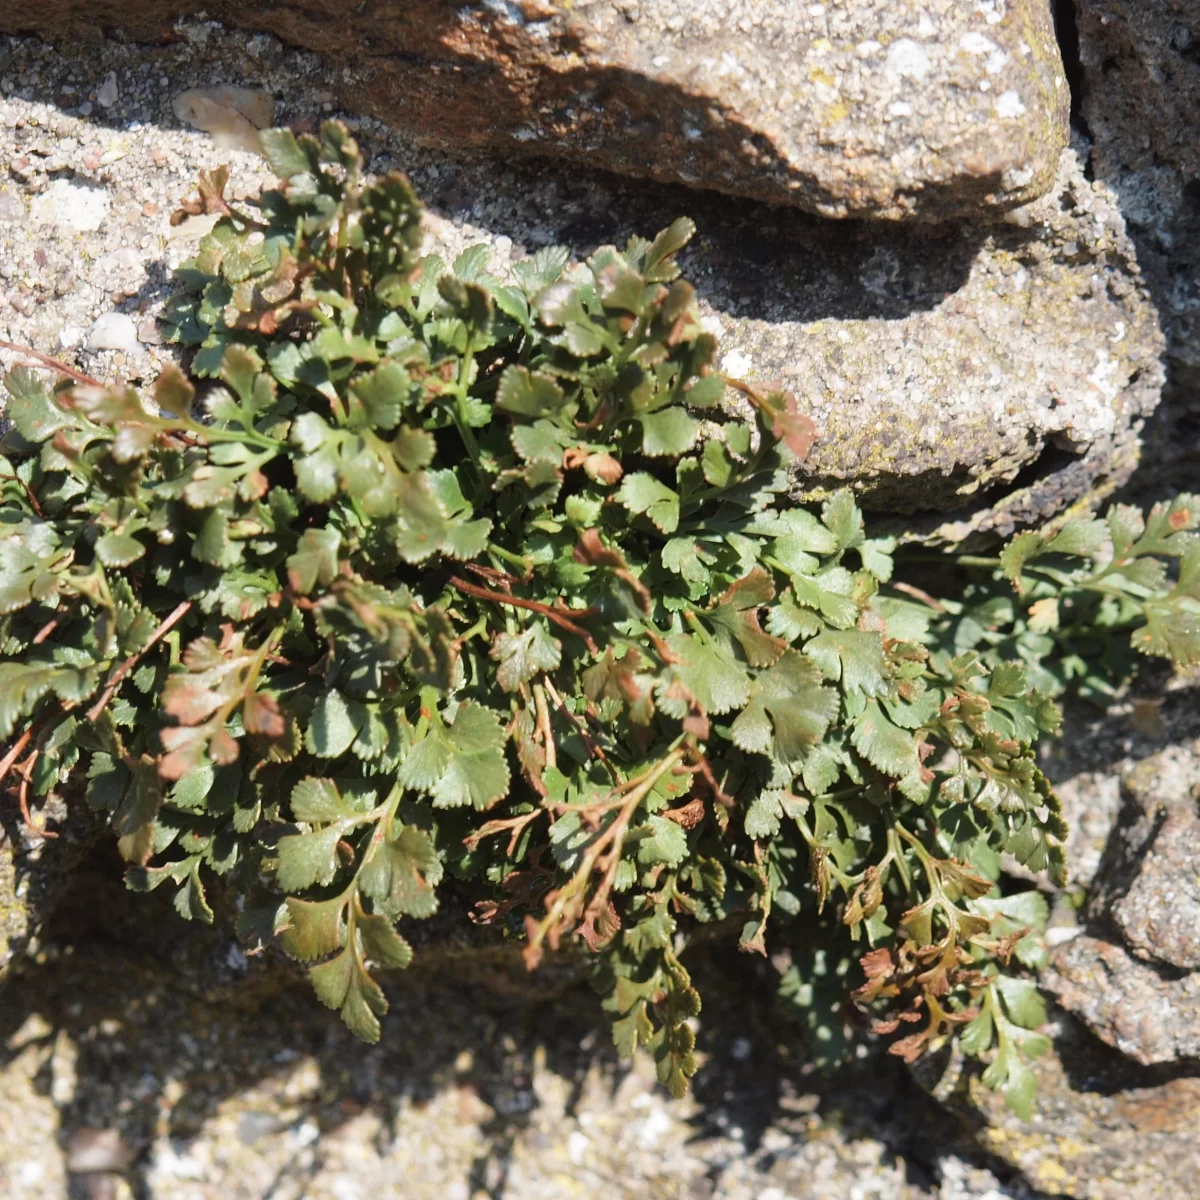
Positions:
{"x": 418, "y": 579}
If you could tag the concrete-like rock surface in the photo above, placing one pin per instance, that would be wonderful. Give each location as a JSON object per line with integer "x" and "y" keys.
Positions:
{"x": 940, "y": 368}
{"x": 148, "y": 1057}
{"x": 1133, "y": 978}
{"x": 880, "y": 108}
{"x": 1100, "y": 1130}
{"x": 1151, "y": 888}
{"x": 1138, "y": 86}
{"x": 1149, "y": 1014}
{"x": 991, "y": 373}
{"x": 1140, "y": 62}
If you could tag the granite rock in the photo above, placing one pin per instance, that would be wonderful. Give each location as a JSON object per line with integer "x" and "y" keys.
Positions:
{"x": 1148, "y": 1013}
{"x": 1138, "y": 83}
{"x": 1133, "y": 977}
{"x": 876, "y": 108}
{"x": 1101, "y": 1128}
{"x": 1140, "y": 97}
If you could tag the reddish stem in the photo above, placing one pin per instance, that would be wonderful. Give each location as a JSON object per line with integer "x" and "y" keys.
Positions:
{"x": 532, "y": 605}
{"x": 55, "y": 364}
{"x": 181, "y": 610}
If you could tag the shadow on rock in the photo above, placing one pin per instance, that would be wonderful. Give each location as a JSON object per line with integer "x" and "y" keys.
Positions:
{"x": 163, "y": 1049}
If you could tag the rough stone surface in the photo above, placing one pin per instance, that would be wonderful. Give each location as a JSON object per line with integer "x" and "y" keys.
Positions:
{"x": 1140, "y": 62}
{"x": 1157, "y": 858}
{"x": 995, "y": 374}
{"x": 149, "y": 1056}
{"x": 872, "y": 109}
{"x": 941, "y": 368}
{"x": 1133, "y": 978}
{"x": 1139, "y": 86}
{"x": 1107, "y": 758}
{"x": 1101, "y": 1130}
{"x": 1149, "y": 1014}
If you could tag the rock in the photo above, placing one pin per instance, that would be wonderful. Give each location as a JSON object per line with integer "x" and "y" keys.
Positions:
{"x": 74, "y": 205}
{"x": 968, "y": 378}
{"x": 1042, "y": 357}
{"x": 1100, "y": 1130}
{"x": 1151, "y": 1015}
{"x": 941, "y": 365}
{"x": 1139, "y": 86}
{"x": 114, "y": 331}
{"x": 1133, "y": 979}
{"x": 872, "y": 109}
{"x": 106, "y": 93}
{"x": 1140, "y": 61}
{"x": 1159, "y": 916}
{"x": 1149, "y": 887}
{"x": 11, "y": 207}
{"x": 247, "y": 1086}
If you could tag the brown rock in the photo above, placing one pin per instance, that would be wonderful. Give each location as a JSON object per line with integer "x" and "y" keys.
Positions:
{"x": 1151, "y": 1015}
{"x": 1150, "y": 881}
{"x": 1101, "y": 1130}
{"x": 879, "y": 108}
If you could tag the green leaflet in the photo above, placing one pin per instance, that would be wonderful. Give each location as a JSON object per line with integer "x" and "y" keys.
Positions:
{"x": 462, "y": 763}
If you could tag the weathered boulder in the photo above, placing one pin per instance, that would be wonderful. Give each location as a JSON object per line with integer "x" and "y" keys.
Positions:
{"x": 1150, "y": 888}
{"x": 872, "y": 109}
{"x": 1150, "y": 1014}
{"x": 941, "y": 369}
{"x": 1134, "y": 977}
{"x": 1100, "y": 1130}
{"x": 972, "y": 376}
{"x": 1139, "y": 95}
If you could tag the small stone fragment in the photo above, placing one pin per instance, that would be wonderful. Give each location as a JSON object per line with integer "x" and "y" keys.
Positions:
{"x": 92, "y": 1150}
{"x": 107, "y": 94}
{"x": 149, "y": 333}
{"x": 114, "y": 331}
{"x": 11, "y": 208}
{"x": 72, "y": 204}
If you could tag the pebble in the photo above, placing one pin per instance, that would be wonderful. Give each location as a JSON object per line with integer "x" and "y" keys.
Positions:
{"x": 114, "y": 331}
{"x": 90, "y": 1150}
{"x": 72, "y": 204}
{"x": 11, "y": 208}
{"x": 106, "y": 94}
